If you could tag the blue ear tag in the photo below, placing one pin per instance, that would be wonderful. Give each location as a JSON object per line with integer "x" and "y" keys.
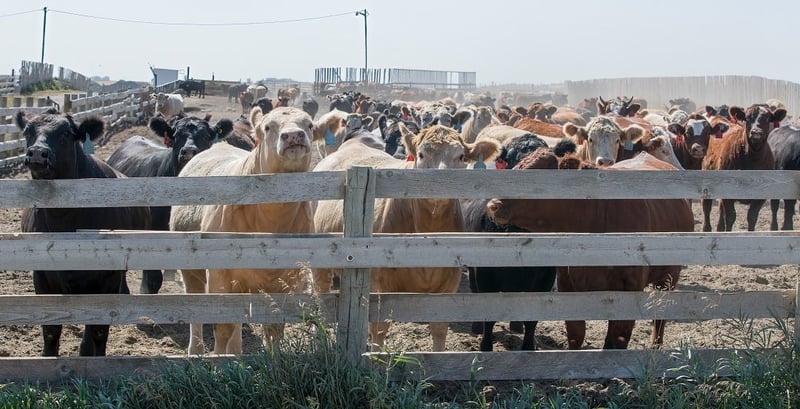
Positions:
{"x": 457, "y": 126}
{"x": 88, "y": 146}
{"x": 330, "y": 138}
{"x": 479, "y": 164}
{"x": 628, "y": 145}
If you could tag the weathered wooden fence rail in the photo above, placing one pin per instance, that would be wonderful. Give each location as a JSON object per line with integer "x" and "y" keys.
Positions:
{"x": 111, "y": 107}
{"x": 357, "y": 250}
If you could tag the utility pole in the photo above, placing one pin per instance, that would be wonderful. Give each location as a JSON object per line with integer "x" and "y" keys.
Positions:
{"x": 365, "y": 14}
{"x": 44, "y": 31}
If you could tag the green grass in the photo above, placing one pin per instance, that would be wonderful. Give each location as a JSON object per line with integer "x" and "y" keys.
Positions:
{"x": 49, "y": 85}
{"x": 310, "y": 372}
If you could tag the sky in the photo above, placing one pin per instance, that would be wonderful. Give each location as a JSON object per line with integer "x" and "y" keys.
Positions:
{"x": 504, "y": 42}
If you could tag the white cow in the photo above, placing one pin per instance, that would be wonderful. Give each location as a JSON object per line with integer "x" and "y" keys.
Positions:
{"x": 169, "y": 105}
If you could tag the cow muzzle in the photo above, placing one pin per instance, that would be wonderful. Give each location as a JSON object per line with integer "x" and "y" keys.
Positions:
{"x": 39, "y": 160}
{"x": 186, "y": 154}
{"x": 698, "y": 151}
{"x": 293, "y": 143}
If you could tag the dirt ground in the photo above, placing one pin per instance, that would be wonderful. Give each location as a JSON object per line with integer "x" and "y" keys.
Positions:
{"x": 166, "y": 340}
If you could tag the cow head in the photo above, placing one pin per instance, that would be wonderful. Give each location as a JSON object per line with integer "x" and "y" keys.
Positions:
{"x": 617, "y": 106}
{"x": 393, "y": 137}
{"x": 440, "y": 147}
{"x": 660, "y": 146}
{"x": 602, "y": 138}
{"x": 694, "y": 136}
{"x": 187, "y": 135}
{"x": 284, "y": 139}
{"x": 55, "y": 142}
{"x": 759, "y": 122}
{"x": 356, "y": 122}
{"x": 264, "y": 103}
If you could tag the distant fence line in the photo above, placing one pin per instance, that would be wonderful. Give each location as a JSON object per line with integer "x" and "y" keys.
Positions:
{"x": 394, "y": 76}
{"x": 31, "y": 72}
{"x": 704, "y": 90}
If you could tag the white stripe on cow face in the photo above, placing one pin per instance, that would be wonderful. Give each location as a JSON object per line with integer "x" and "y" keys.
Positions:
{"x": 697, "y": 127}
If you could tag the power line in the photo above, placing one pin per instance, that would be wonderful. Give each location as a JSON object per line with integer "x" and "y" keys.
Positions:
{"x": 162, "y": 23}
{"x": 20, "y": 13}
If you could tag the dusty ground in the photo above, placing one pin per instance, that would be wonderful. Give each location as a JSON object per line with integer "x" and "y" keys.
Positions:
{"x": 21, "y": 340}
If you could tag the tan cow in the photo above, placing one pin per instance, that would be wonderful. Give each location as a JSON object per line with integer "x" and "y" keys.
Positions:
{"x": 599, "y": 141}
{"x": 471, "y": 120}
{"x": 436, "y": 147}
{"x": 329, "y": 131}
{"x": 284, "y": 145}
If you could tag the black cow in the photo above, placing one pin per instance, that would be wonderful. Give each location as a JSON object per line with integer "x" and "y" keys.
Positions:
{"x": 785, "y": 145}
{"x": 55, "y": 151}
{"x": 198, "y": 87}
{"x": 311, "y": 106}
{"x": 503, "y": 279}
{"x": 235, "y": 90}
{"x": 265, "y": 103}
{"x": 184, "y": 137}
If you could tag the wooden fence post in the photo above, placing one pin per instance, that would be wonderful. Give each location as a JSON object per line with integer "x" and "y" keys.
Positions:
{"x": 353, "y": 313}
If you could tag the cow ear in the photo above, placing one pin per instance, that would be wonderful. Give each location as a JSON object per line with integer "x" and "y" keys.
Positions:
{"x": 407, "y": 139}
{"x": 632, "y": 108}
{"x": 575, "y": 131}
{"x": 778, "y": 115}
{"x": 207, "y": 117}
{"x": 222, "y": 128}
{"x": 737, "y": 113}
{"x": 720, "y": 128}
{"x": 462, "y": 116}
{"x": 551, "y": 110}
{"x": 367, "y": 122}
{"x": 633, "y": 133}
{"x": 21, "y": 119}
{"x": 710, "y": 111}
{"x": 601, "y": 107}
{"x": 93, "y": 127}
{"x": 677, "y": 129}
{"x": 160, "y": 126}
{"x": 487, "y": 149}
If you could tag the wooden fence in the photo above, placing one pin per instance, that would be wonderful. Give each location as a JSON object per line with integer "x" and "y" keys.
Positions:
{"x": 7, "y": 84}
{"x": 705, "y": 90}
{"x": 111, "y": 107}
{"x": 357, "y": 250}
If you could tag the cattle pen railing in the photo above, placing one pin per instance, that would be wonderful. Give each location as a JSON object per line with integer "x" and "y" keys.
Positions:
{"x": 357, "y": 250}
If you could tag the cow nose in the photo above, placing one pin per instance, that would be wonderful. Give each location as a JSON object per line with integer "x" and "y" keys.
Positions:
{"x": 37, "y": 154}
{"x": 188, "y": 152}
{"x": 698, "y": 150}
{"x": 601, "y": 161}
{"x": 293, "y": 137}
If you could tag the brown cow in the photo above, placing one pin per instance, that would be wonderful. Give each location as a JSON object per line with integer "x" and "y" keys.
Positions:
{"x": 618, "y": 215}
{"x": 284, "y": 145}
{"x": 692, "y": 140}
{"x": 743, "y": 147}
{"x": 435, "y": 147}
{"x": 539, "y": 127}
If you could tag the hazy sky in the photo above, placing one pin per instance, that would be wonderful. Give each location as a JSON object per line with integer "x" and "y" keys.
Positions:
{"x": 502, "y": 41}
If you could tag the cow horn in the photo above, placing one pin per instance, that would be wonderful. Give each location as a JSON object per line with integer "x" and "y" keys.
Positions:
{"x": 628, "y": 102}
{"x": 601, "y": 100}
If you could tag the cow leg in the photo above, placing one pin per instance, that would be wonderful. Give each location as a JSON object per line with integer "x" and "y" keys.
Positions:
{"x": 226, "y": 340}
{"x": 774, "y": 205}
{"x": 123, "y": 286}
{"x": 273, "y": 333}
{"x": 486, "y": 341}
{"x": 478, "y": 327}
{"x": 529, "y": 340}
{"x": 439, "y": 335}
{"x": 151, "y": 281}
{"x": 752, "y": 214}
{"x": 619, "y": 334}
{"x": 727, "y": 215}
{"x": 788, "y": 214}
{"x": 95, "y": 338}
{"x": 576, "y": 333}
{"x": 194, "y": 282}
{"x": 707, "y": 214}
{"x": 52, "y": 336}
{"x": 377, "y": 334}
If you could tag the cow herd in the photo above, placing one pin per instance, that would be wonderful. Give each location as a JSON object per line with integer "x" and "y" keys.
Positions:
{"x": 465, "y": 131}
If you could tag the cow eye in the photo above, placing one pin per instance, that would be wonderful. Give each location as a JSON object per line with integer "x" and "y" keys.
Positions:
{"x": 266, "y": 128}
{"x": 421, "y": 156}
{"x": 461, "y": 158}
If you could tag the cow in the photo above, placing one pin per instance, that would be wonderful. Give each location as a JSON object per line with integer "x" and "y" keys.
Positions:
{"x": 55, "y": 152}
{"x": 785, "y": 145}
{"x": 184, "y": 137}
{"x": 470, "y": 121}
{"x": 343, "y": 102}
{"x": 265, "y": 103}
{"x": 281, "y": 101}
{"x": 284, "y": 146}
{"x": 540, "y": 127}
{"x": 617, "y": 215}
{"x": 168, "y": 105}
{"x": 234, "y": 91}
{"x": 600, "y": 140}
{"x": 743, "y": 147}
{"x": 198, "y": 87}
{"x": 311, "y": 107}
{"x": 242, "y": 135}
{"x": 258, "y": 91}
{"x": 684, "y": 104}
{"x": 246, "y": 99}
{"x": 618, "y": 106}
{"x": 691, "y": 142}
{"x": 435, "y": 147}
{"x": 329, "y": 131}
{"x": 290, "y": 93}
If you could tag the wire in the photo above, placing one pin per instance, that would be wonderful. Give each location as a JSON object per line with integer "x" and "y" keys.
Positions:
{"x": 162, "y": 23}
{"x": 20, "y": 13}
